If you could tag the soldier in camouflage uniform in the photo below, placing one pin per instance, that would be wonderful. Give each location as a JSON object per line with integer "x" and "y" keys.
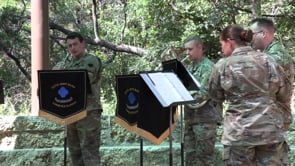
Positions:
{"x": 252, "y": 83}
{"x": 83, "y": 136}
{"x": 264, "y": 40}
{"x": 200, "y": 119}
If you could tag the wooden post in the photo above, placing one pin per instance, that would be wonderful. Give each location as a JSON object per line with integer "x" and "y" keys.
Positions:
{"x": 40, "y": 46}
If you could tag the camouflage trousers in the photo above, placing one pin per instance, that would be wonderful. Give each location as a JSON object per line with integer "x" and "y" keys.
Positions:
{"x": 84, "y": 140}
{"x": 199, "y": 141}
{"x": 261, "y": 155}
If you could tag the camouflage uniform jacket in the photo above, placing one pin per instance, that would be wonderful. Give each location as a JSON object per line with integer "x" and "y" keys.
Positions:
{"x": 279, "y": 54}
{"x": 276, "y": 51}
{"x": 93, "y": 65}
{"x": 206, "y": 113}
{"x": 251, "y": 83}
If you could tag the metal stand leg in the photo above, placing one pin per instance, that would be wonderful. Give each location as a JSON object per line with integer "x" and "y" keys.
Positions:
{"x": 141, "y": 152}
{"x": 170, "y": 138}
{"x": 65, "y": 146}
{"x": 182, "y": 135}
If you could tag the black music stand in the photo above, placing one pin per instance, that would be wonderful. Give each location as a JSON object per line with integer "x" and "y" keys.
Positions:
{"x": 170, "y": 92}
{"x": 190, "y": 83}
{"x": 188, "y": 80}
{"x": 139, "y": 111}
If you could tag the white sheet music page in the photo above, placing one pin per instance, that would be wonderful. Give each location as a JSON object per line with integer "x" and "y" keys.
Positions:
{"x": 167, "y": 88}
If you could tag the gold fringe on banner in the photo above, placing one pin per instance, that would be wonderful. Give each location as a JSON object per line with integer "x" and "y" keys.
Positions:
{"x": 163, "y": 136}
{"x": 145, "y": 134}
{"x": 65, "y": 121}
{"x": 149, "y": 136}
{"x": 125, "y": 124}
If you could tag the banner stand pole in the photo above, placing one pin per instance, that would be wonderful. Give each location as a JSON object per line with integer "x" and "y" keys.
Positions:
{"x": 182, "y": 135}
{"x": 170, "y": 137}
{"x": 141, "y": 152}
{"x": 65, "y": 146}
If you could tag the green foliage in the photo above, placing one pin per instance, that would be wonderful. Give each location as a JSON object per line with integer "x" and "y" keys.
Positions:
{"x": 5, "y": 3}
{"x": 15, "y": 42}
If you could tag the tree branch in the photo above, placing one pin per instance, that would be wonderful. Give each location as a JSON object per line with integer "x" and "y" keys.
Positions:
{"x": 103, "y": 43}
{"x": 16, "y": 61}
{"x": 94, "y": 19}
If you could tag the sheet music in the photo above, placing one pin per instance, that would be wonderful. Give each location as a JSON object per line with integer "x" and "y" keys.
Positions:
{"x": 167, "y": 88}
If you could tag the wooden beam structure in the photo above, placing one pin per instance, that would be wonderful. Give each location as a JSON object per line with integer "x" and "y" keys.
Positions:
{"x": 39, "y": 46}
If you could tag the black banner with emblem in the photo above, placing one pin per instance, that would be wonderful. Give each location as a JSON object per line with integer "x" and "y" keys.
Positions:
{"x": 127, "y": 90}
{"x": 139, "y": 111}
{"x": 63, "y": 94}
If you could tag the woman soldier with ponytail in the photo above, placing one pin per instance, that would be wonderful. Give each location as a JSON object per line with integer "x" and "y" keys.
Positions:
{"x": 252, "y": 84}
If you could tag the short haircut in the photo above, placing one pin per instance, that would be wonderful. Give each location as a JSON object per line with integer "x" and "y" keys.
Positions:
{"x": 73, "y": 35}
{"x": 194, "y": 38}
{"x": 264, "y": 23}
